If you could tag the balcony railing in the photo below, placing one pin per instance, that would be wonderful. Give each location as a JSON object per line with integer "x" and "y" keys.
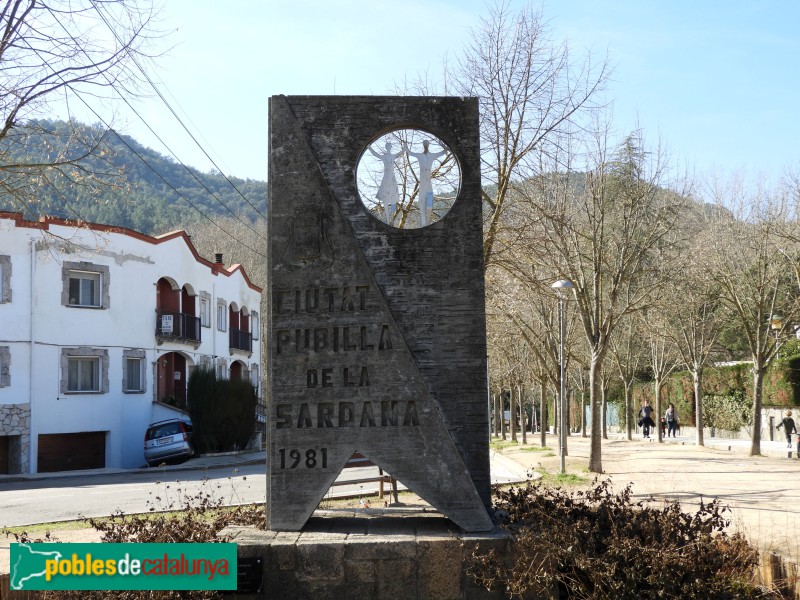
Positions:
{"x": 177, "y": 326}
{"x": 241, "y": 340}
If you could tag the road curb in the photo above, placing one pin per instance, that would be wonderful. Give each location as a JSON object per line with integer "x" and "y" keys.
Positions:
{"x": 166, "y": 469}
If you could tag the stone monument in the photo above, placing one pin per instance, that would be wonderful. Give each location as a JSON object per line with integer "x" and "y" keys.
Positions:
{"x": 376, "y": 334}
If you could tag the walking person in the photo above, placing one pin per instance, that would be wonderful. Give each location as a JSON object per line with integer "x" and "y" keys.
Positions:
{"x": 646, "y": 421}
{"x": 672, "y": 420}
{"x": 788, "y": 427}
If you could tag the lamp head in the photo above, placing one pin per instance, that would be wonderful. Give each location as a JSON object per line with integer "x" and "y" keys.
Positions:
{"x": 562, "y": 285}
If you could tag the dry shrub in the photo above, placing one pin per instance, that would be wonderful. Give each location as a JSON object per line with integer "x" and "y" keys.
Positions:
{"x": 197, "y": 517}
{"x": 597, "y": 544}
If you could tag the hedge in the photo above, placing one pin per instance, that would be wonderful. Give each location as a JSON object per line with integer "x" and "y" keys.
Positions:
{"x": 728, "y": 392}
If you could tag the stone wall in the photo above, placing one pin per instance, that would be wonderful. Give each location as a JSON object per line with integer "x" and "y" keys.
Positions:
{"x": 15, "y": 422}
{"x": 377, "y": 558}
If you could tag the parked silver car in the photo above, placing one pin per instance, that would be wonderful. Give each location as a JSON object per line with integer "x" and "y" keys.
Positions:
{"x": 168, "y": 440}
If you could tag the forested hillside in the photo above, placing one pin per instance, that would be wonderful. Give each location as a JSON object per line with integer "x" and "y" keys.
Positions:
{"x": 119, "y": 182}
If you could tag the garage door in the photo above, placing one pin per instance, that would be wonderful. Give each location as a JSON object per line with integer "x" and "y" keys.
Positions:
{"x": 4, "y": 455}
{"x": 72, "y": 451}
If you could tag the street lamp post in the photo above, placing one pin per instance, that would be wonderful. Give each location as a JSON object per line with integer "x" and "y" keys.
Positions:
{"x": 560, "y": 286}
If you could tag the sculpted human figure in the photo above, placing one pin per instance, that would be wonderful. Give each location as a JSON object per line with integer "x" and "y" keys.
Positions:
{"x": 425, "y": 198}
{"x": 387, "y": 192}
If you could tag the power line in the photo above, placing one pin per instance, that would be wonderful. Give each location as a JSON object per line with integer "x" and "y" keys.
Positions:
{"x": 143, "y": 120}
{"x": 144, "y": 161}
{"x": 177, "y": 117}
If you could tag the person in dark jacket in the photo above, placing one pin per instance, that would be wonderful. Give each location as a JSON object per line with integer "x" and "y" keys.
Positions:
{"x": 788, "y": 427}
{"x": 646, "y": 421}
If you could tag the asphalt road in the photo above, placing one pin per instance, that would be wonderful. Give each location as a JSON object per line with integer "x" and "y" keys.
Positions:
{"x": 69, "y": 498}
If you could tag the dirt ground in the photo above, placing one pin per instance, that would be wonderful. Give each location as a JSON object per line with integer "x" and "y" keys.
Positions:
{"x": 762, "y": 492}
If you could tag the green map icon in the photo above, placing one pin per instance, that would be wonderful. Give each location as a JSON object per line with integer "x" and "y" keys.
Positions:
{"x": 123, "y": 566}
{"x": 28, "y": 564}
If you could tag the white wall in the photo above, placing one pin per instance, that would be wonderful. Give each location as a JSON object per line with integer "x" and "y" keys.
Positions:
{"x": 36, "y": 318}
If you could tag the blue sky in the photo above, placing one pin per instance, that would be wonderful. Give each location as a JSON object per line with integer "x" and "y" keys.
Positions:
{"x": 718, "y": 83}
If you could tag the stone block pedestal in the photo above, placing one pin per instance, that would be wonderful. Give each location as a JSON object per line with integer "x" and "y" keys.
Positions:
{"x": 381, "y": 554}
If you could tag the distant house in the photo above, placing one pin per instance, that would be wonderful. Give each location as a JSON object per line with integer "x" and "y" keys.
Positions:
{"x": 100, "y": 327}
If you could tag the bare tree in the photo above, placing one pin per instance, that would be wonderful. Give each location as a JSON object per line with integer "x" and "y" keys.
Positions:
{"x": 626, "y": 348}
{"x": 663, "y": 357}
{"x": 63, "y": 51}
{"x": 694, "y": 316}
{"x": 607, "y": 231}
{"x": 532, "y": 314}
{"x": 750, "y": 261}
{"x": 501, "y": 364}
{"x": 531, "y": 94}
{"x": 539, "y": 378}
{"x": 605, "y": 383}
{"x": 512, "y": 367}
{"x": 579, "y": 377}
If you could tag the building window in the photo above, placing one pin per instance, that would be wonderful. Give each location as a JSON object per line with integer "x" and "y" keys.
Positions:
{"x": 5, "y": 279}
{"x": 84, "y": 371}
{"x": 133, "y": 371}
{"x": 254, "y": 325}
{"x": 84, "y": 289}
{"x": 85, "y": 285}
{"x": 134, "y": 377}
{"x": 222, "y": 368}
{"x": 205, "y": 309}
{"x": 5, "y": 366}
{"x": 222, "y": 315}
{"x": 83, "y": 374}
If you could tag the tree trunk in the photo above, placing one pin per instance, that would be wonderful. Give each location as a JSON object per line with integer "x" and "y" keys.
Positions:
{"x": 543, "y": 413}
{"x": 658, "y": 410}
{"x": 502, "y": 415}
{"x": 583, "y": 409}
{"x": 595, "y": 458}
{"x": 496, "y": 415}
{"x": 492, "y": 420}
{"x": 628, "y": 410}
{"x": 522, "y": 415}
{"x": 697, "y": 380}
{"x": 556, "y": 414}
{"x": 758, "y": 384}
{"x": 566, "y": 420}
{"x": 605, "y": 408}
{"x": 513, "y": 414}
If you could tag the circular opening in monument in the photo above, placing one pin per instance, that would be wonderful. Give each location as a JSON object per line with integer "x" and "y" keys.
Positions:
{"x": 408, "y": 178}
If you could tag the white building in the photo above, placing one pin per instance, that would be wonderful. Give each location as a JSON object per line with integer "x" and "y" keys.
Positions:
{"x": 100, "y": 327}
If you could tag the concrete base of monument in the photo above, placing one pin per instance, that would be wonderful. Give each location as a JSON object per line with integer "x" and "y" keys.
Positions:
{"x": 385, "y": 553}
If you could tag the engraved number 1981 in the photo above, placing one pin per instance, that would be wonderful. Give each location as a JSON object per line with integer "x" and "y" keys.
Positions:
{"x": 294, "y": 458}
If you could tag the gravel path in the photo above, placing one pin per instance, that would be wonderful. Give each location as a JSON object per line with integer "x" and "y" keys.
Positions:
{"x": 763, "y": 492}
